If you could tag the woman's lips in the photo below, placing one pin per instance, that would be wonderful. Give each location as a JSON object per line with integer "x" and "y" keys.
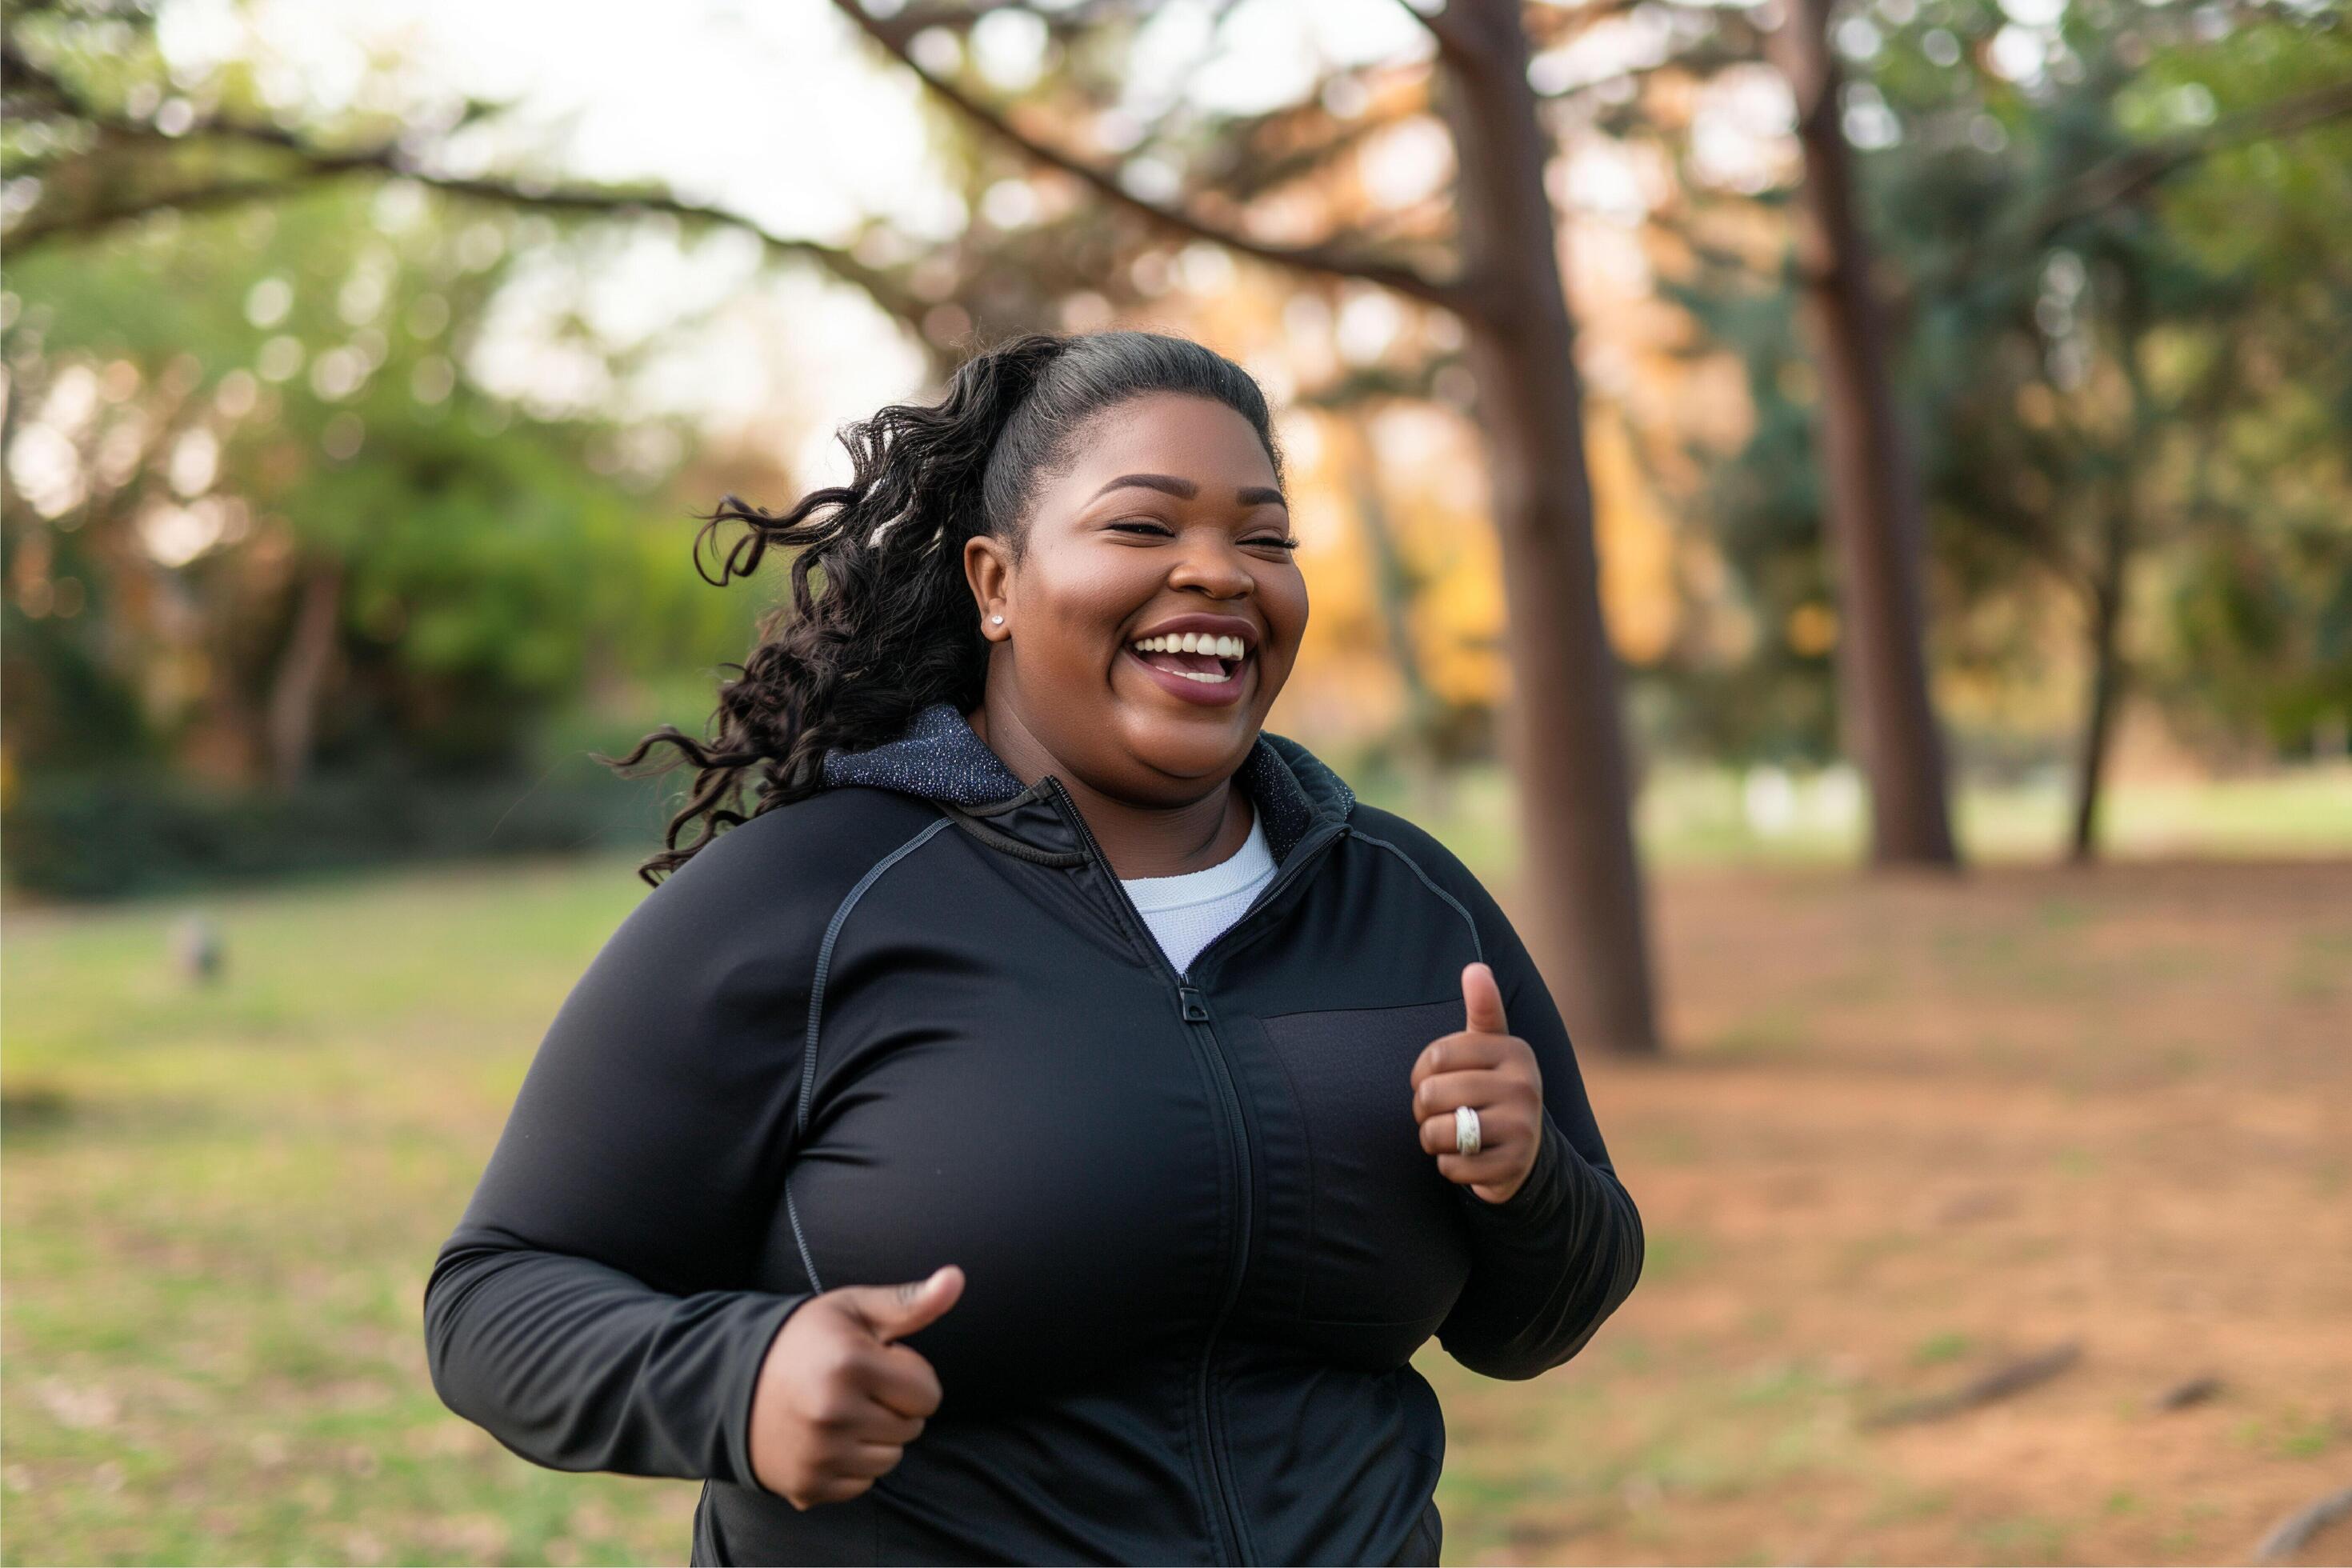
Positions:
{"x": 1207, "y": 693}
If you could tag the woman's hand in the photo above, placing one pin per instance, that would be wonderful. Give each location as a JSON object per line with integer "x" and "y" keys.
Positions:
{"x": 837, "y": 1402}
{"x": 1494, "y": 1073}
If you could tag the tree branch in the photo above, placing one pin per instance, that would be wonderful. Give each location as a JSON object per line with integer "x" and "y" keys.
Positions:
{"x": 1445, "y": 28}
{"x": 388, "y": 159}
{"x": 2122, "y": 177}
{"x": 1549, "y": 26}
{"x": 1703, "y": 59}
{"x": 1326, "y": 258}
{"x": 1060, "y": 21}
{"x": 2126, "y": 175}
{"x": 31, "y": 233}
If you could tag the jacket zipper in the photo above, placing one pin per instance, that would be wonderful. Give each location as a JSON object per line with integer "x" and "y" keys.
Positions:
{"x": 1193, "y": 1008}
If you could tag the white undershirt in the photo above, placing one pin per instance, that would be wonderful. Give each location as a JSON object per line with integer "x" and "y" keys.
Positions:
{"x": 1186, "y": 913}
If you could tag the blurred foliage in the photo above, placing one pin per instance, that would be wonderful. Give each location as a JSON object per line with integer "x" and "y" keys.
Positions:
{"x": 301, "y": 400}
{"x": 101, "y": 833}
{"x": 212, "y": 414}
{"x": 2121, "y": 299}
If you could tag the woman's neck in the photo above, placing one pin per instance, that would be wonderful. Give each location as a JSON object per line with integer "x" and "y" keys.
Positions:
{"x": 1139, "y": 839}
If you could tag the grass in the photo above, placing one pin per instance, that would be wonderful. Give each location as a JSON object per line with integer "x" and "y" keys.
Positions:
{"x": 220, "y": 1206}
{"x": 1692, "y": 817}
{"x": 1905, "y": 1130}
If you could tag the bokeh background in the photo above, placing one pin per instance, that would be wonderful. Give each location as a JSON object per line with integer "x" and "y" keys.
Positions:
{"x": 1841, "y": 515}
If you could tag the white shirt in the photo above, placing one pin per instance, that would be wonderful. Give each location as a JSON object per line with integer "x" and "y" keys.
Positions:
{"x": 1186, "y": 913}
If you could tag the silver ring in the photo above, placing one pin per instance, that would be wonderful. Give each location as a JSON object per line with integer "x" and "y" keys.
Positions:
{"x": 1465, "y": 1131}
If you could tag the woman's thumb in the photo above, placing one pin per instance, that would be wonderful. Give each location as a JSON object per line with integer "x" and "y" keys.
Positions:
{"x": 1482, "y": 1002}
{"x": 894, "y": 1311}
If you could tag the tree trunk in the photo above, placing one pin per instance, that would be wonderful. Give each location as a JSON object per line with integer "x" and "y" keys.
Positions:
{"x": 1590, "y": 928}
{"x": 1871, "y": 490}
{"x": 2116, "y": 545}
{"x": 2107, "y": 685}
{"x": 303, "y": 675}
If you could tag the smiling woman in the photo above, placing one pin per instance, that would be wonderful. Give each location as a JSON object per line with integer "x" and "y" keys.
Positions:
{"x": 1046, "y": 1126}
{"x": 1098, "y": 611}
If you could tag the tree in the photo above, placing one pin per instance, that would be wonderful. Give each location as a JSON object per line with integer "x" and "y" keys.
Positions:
{"x": 253, "y": 496}
{"x": 1503, "y": 284}
{"x": 1872, "y": 486}
{"x": 2115, "y": 276}
{"x": 289, "y": 518}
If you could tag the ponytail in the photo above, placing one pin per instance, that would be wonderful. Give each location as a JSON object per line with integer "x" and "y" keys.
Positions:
{"x": 893, "y": 628}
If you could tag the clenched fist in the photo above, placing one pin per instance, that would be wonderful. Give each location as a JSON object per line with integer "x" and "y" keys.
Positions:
{"x": 837, "y": 1400}
{"x": 1492, "y": 1071}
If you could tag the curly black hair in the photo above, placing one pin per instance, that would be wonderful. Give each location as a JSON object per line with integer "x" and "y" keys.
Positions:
{"x": 893, "y": 628}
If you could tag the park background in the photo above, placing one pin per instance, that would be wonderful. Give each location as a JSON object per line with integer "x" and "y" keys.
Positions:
{"x": 1842, "y": 518}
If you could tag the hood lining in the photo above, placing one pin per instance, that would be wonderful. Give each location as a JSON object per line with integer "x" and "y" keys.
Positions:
{"x": 942, "y": 759}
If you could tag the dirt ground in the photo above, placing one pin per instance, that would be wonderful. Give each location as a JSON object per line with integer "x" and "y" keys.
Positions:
{"x": 1911, "y": 1129}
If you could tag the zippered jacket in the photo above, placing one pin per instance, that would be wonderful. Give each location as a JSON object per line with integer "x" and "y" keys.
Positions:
{"x": 914, "y": 1020}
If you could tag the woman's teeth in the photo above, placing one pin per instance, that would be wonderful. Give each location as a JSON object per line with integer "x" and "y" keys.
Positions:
{"x": 1193, "y": 642}
{"x": 1203, "y": 657}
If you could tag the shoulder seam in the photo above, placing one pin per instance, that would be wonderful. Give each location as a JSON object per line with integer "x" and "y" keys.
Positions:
{"x": 824, "y": 961}
{"x": 815, "y": 1012}
{"x": 1475, "y": 945}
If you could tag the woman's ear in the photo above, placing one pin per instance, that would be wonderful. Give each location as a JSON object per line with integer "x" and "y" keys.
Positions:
{"x": 988, "y": 567}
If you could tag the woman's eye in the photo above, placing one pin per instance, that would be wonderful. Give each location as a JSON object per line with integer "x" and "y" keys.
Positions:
{"x": 1164, "y": 532}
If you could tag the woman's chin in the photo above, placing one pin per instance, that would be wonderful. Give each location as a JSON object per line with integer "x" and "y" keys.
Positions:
{"x": 1185, "y": 740}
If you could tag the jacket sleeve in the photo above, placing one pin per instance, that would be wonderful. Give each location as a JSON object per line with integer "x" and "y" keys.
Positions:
{"x": 591, "y": 1310}
{"x": 1562, "y": 1253}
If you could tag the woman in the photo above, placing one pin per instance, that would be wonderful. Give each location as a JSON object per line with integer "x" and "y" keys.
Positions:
{"x": 1045, "y": 1128}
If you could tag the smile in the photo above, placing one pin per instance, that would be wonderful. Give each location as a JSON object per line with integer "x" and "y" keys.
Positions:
{"x": 1204, "y": 669}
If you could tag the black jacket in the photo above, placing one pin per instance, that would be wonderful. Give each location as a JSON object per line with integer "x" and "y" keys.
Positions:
{"x": 915, "y": 1020}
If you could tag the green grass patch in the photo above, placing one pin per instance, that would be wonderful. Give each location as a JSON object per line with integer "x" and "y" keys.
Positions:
{"x": 221, "y": 1203}
{"x": 1698, "y": 816}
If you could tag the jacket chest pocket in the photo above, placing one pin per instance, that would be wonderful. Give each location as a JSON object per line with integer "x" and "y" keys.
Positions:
{"x": 1386, "y": 1239}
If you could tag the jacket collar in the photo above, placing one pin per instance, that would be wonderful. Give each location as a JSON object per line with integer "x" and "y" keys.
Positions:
{"x": 941, "y": 758}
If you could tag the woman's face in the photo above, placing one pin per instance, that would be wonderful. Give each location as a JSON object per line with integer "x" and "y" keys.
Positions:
{"x": 1166, "y": 518}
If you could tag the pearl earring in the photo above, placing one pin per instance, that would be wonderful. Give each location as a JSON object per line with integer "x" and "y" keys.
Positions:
{"x": 997, "y": 619}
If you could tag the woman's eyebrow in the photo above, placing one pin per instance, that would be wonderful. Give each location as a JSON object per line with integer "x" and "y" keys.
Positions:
{"x": 1174, "y": 485}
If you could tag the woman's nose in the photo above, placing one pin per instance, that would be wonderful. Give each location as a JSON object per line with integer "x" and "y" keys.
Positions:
{"x": 1220, "y": 569}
